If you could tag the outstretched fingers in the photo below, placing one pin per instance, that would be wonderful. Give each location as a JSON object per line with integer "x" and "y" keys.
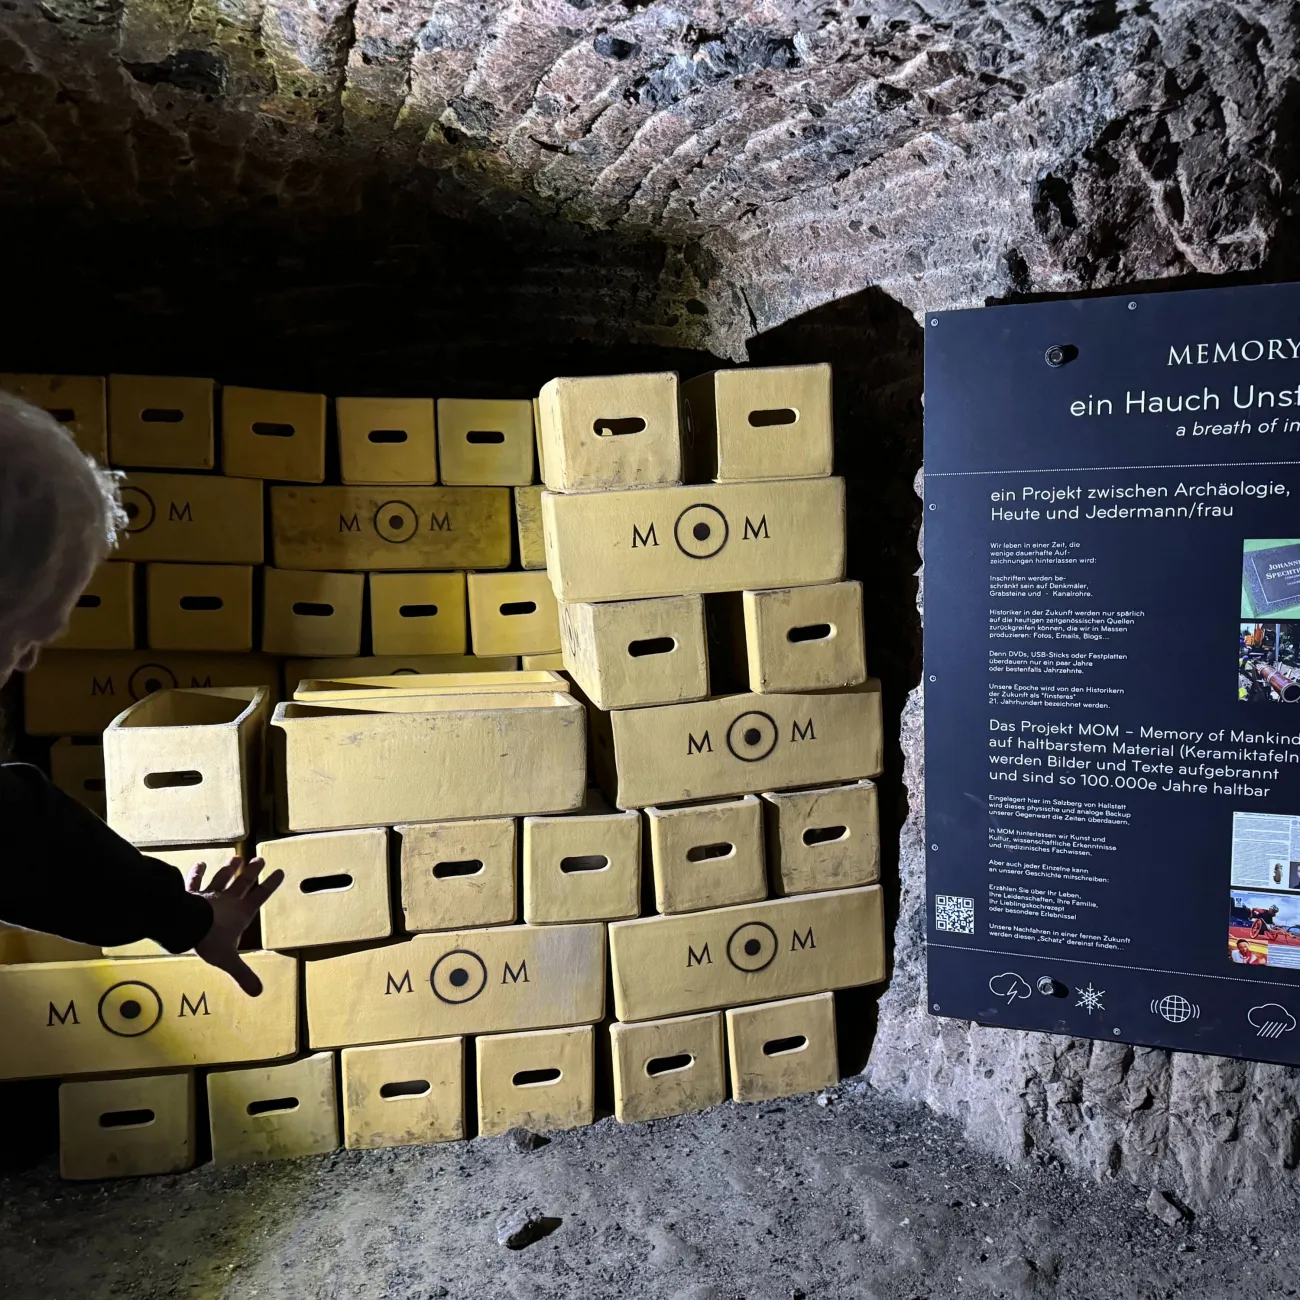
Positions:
{"x": 224, "y": 876}
{"x": 194, "y": 880}
{"x": 263, "y": 890}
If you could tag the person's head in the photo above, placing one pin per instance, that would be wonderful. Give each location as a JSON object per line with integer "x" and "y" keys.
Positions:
{"x": 59, "y": 516}
{"x": 1243, "y": 947}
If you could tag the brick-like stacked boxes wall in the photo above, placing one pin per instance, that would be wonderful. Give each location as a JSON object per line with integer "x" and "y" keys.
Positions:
{"x": 378, "y": 713}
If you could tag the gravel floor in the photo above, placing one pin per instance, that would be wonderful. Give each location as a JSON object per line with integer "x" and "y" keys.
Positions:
{"x": 843, "y": 1196}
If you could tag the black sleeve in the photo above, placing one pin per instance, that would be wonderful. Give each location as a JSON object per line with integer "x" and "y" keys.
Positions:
{"x": 64, "y": 872}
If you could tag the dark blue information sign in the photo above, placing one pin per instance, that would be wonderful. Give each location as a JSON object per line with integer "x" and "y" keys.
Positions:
{"x": 1112, "y": 668}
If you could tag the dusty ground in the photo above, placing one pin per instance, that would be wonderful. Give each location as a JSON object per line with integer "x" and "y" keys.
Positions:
{"x": 857, "y": 1198}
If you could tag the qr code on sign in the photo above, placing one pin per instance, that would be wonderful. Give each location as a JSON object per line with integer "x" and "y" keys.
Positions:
{"x": 954, "y": 914}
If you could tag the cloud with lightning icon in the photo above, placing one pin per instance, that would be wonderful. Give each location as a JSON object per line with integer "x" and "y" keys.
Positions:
{"x": 1009, "y": 985}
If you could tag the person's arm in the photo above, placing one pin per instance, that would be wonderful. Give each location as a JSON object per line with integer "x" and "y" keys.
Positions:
{"x": 66, "y": 873}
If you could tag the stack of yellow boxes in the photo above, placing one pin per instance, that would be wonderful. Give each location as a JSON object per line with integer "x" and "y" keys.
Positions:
{"x": 183, "y": 773}
{"x": 709, "y": 627}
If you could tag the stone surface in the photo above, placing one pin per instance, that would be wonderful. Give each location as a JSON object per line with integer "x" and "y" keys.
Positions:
{"x": 276, "y": 191}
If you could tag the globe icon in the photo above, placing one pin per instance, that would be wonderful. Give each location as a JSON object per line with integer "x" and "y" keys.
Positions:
{"x": 1174, "y": 1008}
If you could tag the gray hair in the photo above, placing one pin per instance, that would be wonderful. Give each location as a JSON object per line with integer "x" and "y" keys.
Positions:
{"x": 59, "y": 516}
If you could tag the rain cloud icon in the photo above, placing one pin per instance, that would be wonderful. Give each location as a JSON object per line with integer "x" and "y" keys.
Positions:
{"x": 1271, "y": 1020}
{"x": 1009, "y": 985}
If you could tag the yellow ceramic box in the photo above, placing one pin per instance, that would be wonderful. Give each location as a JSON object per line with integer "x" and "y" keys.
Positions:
{"x": 495, "y": 980}
{"x": 160, "y": 422}
{"x": 667, "y": 1067}
{"x": 335, "y": 889}
{"x": 458, "y": 874}
{"x": 78, "y": 402}
{"x": 391, "y": 528}
{"x": 628, "y": 653}
{"x": 274, "y": 1112}
{"x": 299, "y": 670}
{"x": 403, "y": 1094}
{"x": 273, "y": 435}
{"x": 387, "y": 440}
{"x": 126, "y": 1128}
{"x": 485, "y": 442}
{"x": 528, "y": 527}
{"x": 192, "y": 519}
{"x": 604, "y": 432}
{"x": 418, "y": 613}
{"x": 503, "y": 681}
{"x": 311, "y": 613}
{"x": 113, "y": 1016}
{"x": 185, "y": 766}
{"x": 787, "y": 947}
{"x": 707, "y": 855}
{"x": 104, "y": 616}
{"x": 744, "y": 744}
{"x": 479, "y": 756}
{"x": 77, "y": 768}
{"x": 760, "y": 422}
{"x": 805, "y": 638}
{"x": 199, "y": 606}
{"x": 672, "y": 540}
{"x": 538, "y": 1081}
{"x": 79, "y": 692}
{"x": 827, "y": 838}
{"x": 583, "y": 868}
{"x": 552, "y": 663}
{"x": 781, "y": 1049}
{"x": 513, "y": 613}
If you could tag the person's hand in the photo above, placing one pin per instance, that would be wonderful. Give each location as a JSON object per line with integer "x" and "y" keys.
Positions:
{"x": 235, "y": 895}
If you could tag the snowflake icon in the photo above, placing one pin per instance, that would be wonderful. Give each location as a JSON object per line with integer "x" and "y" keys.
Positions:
{"x": 1090, "y": 998}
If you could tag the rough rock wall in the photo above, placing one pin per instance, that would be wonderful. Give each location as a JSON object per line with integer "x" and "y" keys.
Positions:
{"x": 673, "y": 180}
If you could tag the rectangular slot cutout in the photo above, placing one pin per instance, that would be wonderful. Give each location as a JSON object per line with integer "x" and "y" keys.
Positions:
{"x": 312, "y": 608}
{"x": 450, "y": 870}
{"x": 170, "y": 780}
{"x": 810, "y": 632}
{"x": 273, "y": 1106}
{"x": 162, "y": 415}
{"x": 195, "y": 603}
{"x": 769, "y": 418}
{"x": 669, "y": 1064}
{"x": 532, "y": 1078}
{"x": 64, "y": 414}
{"x": 326, "y": 884}
{"x": 513, "y": 607}
{"x": 652, "y": 645}
{"x": 270, "y": 429}
{"x": 387, "y": 435}
{"x": 585, "y": 862}
{"x": 408, "y": 1088}
{"x": 417, "y": 611}
{"x": 608, "y": 427}
{"x": 709, "y": 852}
{"x": 88, "y": 601}
{"x": 780, "y": 1046}
{"x": 126, "y": 1118}
{"x": 489, "y": 436}
{"x": 825, "y": 834}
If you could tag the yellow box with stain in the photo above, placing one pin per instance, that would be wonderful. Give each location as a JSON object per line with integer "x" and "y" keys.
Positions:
{"x": 760, "y": 422}
{"x": 780, "y": 1049}
{"x": 480, "y": 981}
{"x": 459, "y": 874}
{"x": 192, "y": 519}
{"x": 104, "y": 616}
{"x": 312, "y": 613}
{"x": 786, "y": 947}
{"x": 299, "y": 670}
{"x": 199, "y": 606}
{"x": 805, "y": 638}
{"x": 126, "y": 1128}
{"x": 539, "y": 1081}
{"x": 387, "y": 440}
{"x": 628, "y": 653}
{"x": 712, "y": 537}
{"x": 79, "y": 692}
{"x": 185, "y": 766}
{"x": 528, "y": 527}
{"x": 418, "y": 613}
{"x": 398, "y": 528}
{"x": 513, "y": 613}
{"x": 744, "y": 744}
{"x": 78, "y": 402}
{"x": 213, "y": 856}
{"x": 485, "y": 442}
{"x": 821, "y": 839}
{"x": 707, "y": 855}
{"x": 403, "y": 1094}
{"x": 583, "y": 868}
{"x": 475, "y": 758}
{"x": 161, "y": 422}
{"x": 269, "y": 434}
{"x": 274, "y": 1112}
{"x": 668, "y": 1067}
{"x": 113, "y": 1016}
{"x": 605, "y": 432}
{"x": 335, "y": 889}
{"x": 77, "y": 768}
